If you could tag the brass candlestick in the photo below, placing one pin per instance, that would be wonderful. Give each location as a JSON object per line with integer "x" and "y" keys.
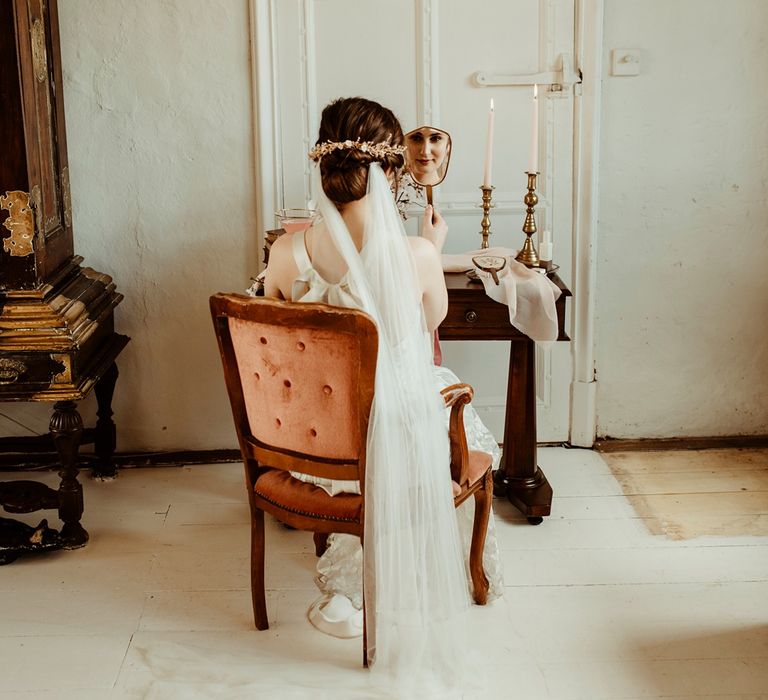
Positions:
{"x": 528, "y": 255}
{"x": 486, "y": 222}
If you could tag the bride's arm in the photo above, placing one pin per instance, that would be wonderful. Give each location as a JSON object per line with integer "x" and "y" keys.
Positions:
{"x": 434, "y": 295}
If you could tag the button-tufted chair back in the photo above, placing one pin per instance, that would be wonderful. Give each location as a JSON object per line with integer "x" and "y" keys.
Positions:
{"x": 300, "y": 377}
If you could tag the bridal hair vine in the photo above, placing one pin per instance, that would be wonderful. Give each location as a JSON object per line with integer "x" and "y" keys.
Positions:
{"x": 377, "y": 150}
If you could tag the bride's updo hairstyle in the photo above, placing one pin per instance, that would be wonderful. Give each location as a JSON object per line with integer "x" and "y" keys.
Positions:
{"x": 344, "y": 172}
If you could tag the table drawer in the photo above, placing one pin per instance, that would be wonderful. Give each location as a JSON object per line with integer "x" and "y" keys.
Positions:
{"x": 470, "y": 314}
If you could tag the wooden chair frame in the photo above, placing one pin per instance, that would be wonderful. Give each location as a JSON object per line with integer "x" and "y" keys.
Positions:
{"x": 259, "y": 457}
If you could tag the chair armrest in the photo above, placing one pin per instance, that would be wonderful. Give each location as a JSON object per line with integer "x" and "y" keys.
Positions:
{"x": 454, "y": 392}
{"x": 456, "y": 397}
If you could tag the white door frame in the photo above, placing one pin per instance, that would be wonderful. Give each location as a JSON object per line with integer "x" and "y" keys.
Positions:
{"x": 586, "y": 162}
{"x": 265, "y": 110}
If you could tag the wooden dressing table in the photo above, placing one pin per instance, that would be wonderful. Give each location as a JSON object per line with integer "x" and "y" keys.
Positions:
{"x": 472, "y": 315}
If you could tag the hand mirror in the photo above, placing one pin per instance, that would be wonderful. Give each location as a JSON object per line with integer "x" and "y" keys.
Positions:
{"x": 427, "y": 154}
{"x": 490, "y": 263}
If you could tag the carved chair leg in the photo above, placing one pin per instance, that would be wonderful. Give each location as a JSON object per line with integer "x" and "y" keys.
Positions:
{"x": 67, "y": 432}
{"x": 105, "y": 435}
{"x": 321, "y": 543}
{"x": 258, "y": 594}
{"x": 483, "y": 498}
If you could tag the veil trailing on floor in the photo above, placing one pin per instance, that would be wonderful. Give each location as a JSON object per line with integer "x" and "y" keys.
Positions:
{"x": 414, "y": 580}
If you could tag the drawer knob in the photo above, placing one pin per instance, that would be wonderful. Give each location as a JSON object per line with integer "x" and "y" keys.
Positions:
{"x": 471, "y": 316}
{"x": 11, "y": 370}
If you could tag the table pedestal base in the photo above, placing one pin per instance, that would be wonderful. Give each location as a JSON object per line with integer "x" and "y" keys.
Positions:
{"x": 519, "y": 478}
{"x": 531, "y": 496}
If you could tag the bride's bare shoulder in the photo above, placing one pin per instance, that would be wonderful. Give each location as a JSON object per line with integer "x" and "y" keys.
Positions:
{"x": 281, "y": 269}
{"x": 282, "y": 246}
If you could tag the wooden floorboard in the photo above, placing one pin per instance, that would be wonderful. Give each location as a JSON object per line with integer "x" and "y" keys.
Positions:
{"x": 684, "y": 495}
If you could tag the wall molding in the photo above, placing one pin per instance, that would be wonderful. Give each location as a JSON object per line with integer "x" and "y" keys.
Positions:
{"x": 428, "y": 62}
{"x": 311, "y": 121}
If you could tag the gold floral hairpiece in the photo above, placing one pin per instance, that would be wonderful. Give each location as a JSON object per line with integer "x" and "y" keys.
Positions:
{"x": 377, "y": 150}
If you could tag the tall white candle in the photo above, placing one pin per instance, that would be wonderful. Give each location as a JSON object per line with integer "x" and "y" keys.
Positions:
{"x": 533, "y": 160}
{"x": 488, "y": 149}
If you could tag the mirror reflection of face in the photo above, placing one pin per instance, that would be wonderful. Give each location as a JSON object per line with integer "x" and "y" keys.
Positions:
{"x": 428, "y": 153}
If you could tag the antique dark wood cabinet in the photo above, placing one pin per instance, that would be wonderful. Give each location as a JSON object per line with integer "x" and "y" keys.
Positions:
{"x": 57, "y": 336}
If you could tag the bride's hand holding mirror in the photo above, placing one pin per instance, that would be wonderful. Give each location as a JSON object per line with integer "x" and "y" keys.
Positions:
{"x": 427, "y": 155}
{"x": 434, "y": 228}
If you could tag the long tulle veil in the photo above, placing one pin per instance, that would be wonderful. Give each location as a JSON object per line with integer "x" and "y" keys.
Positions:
{"x": 414, "y": 578}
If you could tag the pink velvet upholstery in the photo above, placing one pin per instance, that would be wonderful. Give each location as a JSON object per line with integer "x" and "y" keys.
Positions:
{"x": 294, "y": 496}
{"x": 478, "y": 465}
{"x": 297, "y": 387}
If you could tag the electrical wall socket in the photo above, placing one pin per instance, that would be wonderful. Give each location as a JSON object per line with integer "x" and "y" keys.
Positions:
{"x": 625, "y": 62}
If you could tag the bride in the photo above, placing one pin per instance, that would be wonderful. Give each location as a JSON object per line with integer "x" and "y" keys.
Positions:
{"x": 414, "y": 565}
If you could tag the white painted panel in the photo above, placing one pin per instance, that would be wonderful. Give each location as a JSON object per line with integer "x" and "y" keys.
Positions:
{"x": 495, "y": 37}
{"x": 367, "y": 48}
{"x": 326, "y": 50}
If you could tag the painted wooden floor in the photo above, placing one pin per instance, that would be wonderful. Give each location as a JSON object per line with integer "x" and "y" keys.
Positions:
{"x": 640, "y": 585}
{"x": 688, "y": 494}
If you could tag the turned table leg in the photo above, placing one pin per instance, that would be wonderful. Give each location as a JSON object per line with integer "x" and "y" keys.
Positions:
{"x": 519, "y": 477}
{"x": 67, "y": 431}
{"x": 105, "y": 434}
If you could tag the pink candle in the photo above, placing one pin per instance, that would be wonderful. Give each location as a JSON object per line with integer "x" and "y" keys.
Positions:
{"x": 488, "y": 150}
{"x": 533, "y": 160}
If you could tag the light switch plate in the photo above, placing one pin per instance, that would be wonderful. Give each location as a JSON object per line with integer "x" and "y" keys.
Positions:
{"x": 625, "y": 62}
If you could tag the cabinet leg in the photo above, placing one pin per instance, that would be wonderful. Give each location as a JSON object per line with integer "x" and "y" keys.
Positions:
{"x": 67, "y": 431}
{"x": 106, "y": 434}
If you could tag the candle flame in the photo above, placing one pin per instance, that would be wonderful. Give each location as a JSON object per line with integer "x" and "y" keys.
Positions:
{"x": 491, "y": 104}
{"x": 535, "y": 91}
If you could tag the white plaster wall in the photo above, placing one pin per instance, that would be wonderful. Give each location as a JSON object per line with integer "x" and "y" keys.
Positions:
{"x": 682, "y": 284}
{"x": 158, "y": 104}
{"x": 159, "y": 120}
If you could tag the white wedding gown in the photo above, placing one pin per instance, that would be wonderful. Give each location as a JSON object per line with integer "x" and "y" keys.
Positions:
{"x": 340, "y": 568}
